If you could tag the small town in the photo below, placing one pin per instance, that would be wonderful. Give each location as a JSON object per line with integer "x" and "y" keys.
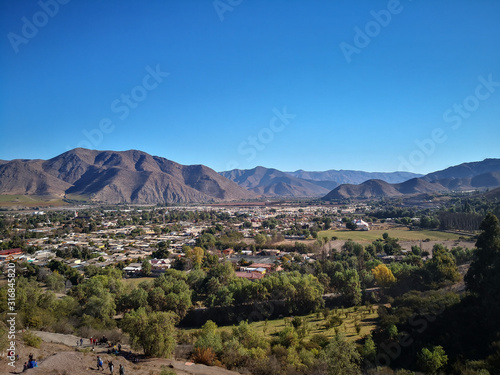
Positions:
{"x": 233, "y": 187}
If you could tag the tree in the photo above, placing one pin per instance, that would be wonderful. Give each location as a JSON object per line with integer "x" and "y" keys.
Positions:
{"x": 153, "y": 332}
{"x": 55, "y": 281}
{"x": 369, "y": 349}
{"x": 138, "y": 298}
{"x": 431, "y": 361}
{"x": 162, "y": 252}
{"x": 383, "y": 275}
{"x": 209, "y": 337}
{"x": 348, "y": 284}
{"x": 288, "y": 337}
{"x": 441, "y": 267}
{"x": 351, "y": 225}
{"x": 483, "y": 275}
{"x": 206, "y": 241}
{"x": 340, "y": 357}
{"x": 146, "y": 267}
{"x": 101, "y": 307}
{"x": 260, "y": 239}
{"x": 196, "y": 255}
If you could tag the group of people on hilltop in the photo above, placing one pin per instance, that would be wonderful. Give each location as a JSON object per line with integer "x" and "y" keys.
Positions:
{"x": 111, "y": 366}
{"x": 32, "y": 363}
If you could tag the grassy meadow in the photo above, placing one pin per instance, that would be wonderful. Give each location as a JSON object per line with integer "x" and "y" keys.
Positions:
{"x": 403, "y": 234}
{"x": 365, "y": 317}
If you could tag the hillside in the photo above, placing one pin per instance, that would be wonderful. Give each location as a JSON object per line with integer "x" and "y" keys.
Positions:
{"x": 468, "y": 176}
{"x": 368, "y": 189}
{"x": 493, "y": 194}
{"x": 272, "y": 182}
{"x": 419, "y": 186}
{"x": 354, "y": 177}
{"x": 117, "y": 177}
{"x": 465, "y": 170}
{"x": 58, "y": 355}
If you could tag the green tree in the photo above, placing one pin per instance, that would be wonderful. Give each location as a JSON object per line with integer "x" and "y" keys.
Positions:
{"x": 340, "y": 357}
{"x": 102, "y": 307}
{"x": 288, "y": 337}
{"x": 430, "y": 361}
{"x": 206, "y": 241}
{"x": 146, "y": 267}
{"x": 153, "y": 332}
{"x": 55, "y": 282}
{"x": 351, "y": 225}
{"x": 483, "y": 277}
{"x": 260, "y": 239}
{"x": 369, "y": 349}
{"x": 348, "y": 284}
{"x": 209, "y": 337}
{"x": 441, "y": 267}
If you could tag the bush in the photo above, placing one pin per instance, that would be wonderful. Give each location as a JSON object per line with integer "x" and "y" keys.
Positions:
{"x": 165, "y": 371}
{"x": 31, "y": 339}
{"x": 63, "y": 326}
{"x": 320, "y": 340}
{"x": 334, "y": 321}
{"x": 204, "y": 356}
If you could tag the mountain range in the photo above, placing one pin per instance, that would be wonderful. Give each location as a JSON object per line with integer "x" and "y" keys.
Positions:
{"x": 136, "y": 177}
{"x": 274, "y": 183}
{"x": 117, "y": 177}
{"x": 467, "y": 176}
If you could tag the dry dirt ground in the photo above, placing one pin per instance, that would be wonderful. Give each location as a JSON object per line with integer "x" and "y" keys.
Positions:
{"x": 58, "y": 355}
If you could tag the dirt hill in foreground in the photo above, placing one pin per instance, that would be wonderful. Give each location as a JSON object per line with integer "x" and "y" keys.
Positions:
{"x": 55, "y": 358}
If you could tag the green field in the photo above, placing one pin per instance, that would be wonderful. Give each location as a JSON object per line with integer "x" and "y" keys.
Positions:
{"x": 403, "y": 234}
{"x": 367, "y": 320}
{"x": 8, "y": 200}
{"x": 15, "y": 198}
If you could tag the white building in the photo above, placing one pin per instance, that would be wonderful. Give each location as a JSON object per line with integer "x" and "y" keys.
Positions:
{"x": 363, "y": 225}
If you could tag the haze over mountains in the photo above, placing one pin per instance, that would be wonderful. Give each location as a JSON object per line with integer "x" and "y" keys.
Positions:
{"x": 137, "y": 177}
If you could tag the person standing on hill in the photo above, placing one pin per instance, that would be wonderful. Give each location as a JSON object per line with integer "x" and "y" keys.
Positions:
{"x": 111, "y": 367}
{"x": 99, "y": 363}
{"x": 122, "y": 370}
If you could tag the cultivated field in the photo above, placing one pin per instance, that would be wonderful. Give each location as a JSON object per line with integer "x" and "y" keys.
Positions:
{"x": 365, "y": 317}
{"x": 7, "y": 200}
{"x": 403, "y": 234}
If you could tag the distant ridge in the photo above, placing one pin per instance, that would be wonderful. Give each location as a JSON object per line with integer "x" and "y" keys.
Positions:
{"x": 271, "y": 182}
{"x": 465, "y": 170}
{"x": 354, "y": 177}
{"x": 467, "y": 176}
{"x": 117, "y": 177}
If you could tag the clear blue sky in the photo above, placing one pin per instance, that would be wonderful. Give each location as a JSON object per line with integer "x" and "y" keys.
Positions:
{"x": 346, "y": 100}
